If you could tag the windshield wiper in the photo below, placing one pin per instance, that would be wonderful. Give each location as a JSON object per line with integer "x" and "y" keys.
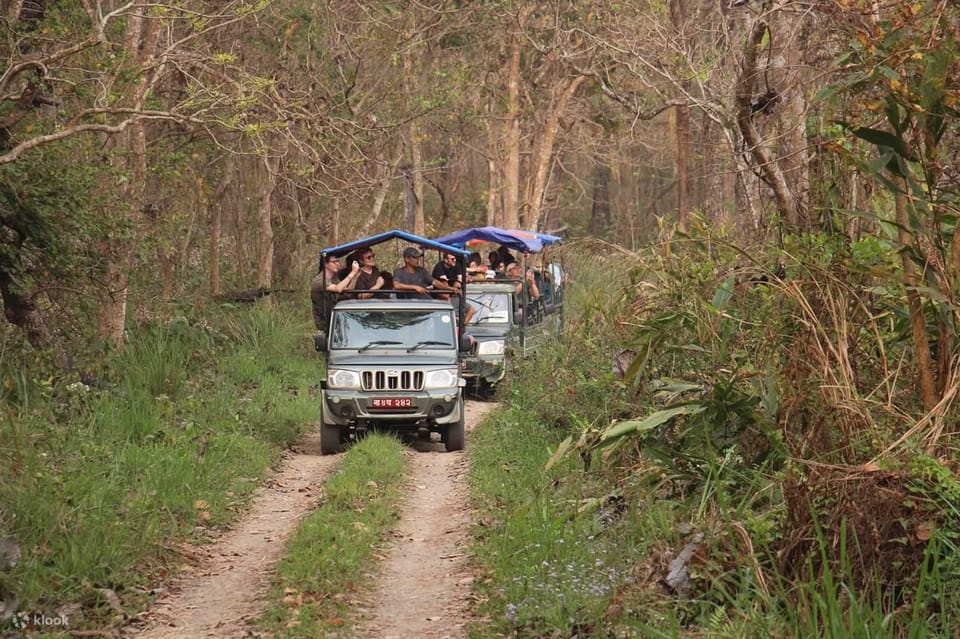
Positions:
{"x": 483, "y": 304}
{"x": 377, "y": 342}
{"x": 428, "y": 342}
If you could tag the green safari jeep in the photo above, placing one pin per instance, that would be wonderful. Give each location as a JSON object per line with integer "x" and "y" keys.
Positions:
{"x": 392, "y": 365}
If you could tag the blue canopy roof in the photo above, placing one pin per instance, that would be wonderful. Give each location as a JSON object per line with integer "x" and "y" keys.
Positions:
{"x": 516, "y": 239}
{"x": 422, "y": 242}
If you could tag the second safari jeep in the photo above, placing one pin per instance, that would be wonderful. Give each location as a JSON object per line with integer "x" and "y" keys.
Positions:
{"x": 494, "y": 327}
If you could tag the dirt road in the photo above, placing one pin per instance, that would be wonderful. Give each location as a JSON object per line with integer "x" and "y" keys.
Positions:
{"x": 423, "y": 583}
{"x": 215, "y": 598}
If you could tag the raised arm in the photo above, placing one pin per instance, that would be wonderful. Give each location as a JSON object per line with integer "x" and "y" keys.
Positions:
{"x": 532, "y": 286}
{"x": 348, "y": 282}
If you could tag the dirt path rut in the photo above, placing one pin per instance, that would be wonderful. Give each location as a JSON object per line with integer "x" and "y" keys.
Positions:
{"x": 424, "y": 580}
{"x": 227, "y": 587}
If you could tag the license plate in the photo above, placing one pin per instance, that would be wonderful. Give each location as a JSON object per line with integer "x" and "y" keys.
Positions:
{"x": 391, "y": 402}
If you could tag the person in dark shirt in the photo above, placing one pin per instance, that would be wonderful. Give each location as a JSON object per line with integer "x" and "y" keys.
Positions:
{"x": 386, "y": 291}
{"x": 413, "y": 279}
{"x": 446, "y": 271}
{"x": 370, "y": 278}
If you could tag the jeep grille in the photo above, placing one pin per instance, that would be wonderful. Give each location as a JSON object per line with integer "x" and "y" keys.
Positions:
{"x": 392, "y": 380}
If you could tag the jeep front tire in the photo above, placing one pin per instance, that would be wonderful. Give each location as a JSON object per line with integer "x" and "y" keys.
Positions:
{"x": 329, "y": 437}
{"x": 456, "y": 437}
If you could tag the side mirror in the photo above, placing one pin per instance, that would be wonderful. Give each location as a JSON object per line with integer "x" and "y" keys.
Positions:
{"x": 320, "y": 342}
{"x": 466, "y": 343}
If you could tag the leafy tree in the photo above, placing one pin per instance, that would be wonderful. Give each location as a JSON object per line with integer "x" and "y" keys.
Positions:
{"x": 900, "y": 66}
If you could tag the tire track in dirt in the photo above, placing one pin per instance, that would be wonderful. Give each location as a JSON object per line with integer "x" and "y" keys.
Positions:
{"x": 229, "y": 586}
{"x": 424, "y": 580}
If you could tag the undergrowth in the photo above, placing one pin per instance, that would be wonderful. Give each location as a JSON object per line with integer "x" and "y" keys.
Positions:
{"x": 161, "y": 443}
{"x": 729, "y": 434}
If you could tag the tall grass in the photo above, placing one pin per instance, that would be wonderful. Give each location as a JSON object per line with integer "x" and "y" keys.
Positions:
{"x": 98, "y": 482}
{"x": 765, "y": 437}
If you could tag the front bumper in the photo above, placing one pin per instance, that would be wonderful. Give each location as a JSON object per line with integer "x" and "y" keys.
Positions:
{"x": 486, "y": 368}
{"x": 354, "y": 407}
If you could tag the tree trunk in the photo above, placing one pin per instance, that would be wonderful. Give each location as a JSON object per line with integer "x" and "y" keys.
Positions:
{"x": 271, "y": 165}
{"x": 600, "y": 219}
{"x": 714, "y": 193}
{"x": 414, "y": 144}
{"x": 217, "y": 205}
{"x": 409, "y": 199}
{"x": 493, "y": 192}
{"x": 166, "y": 274}
{"x": 335, "y": 233}
{"x": 681, "y": 129}
{"x": 543, "y": 152}
{"x": 511, "y": 169}
{"x": 681, "y": 136}
{"x": 140, "y": 43}
{"x": 22, "y": 311}
{"x": 756, "y": 146}
{"x": 794, "y": 154}
{"x": 918, "y": 327}
{"x": 383, "y": 188}
{"x": 416, "y": 174}
{"x": 494, "y": 182}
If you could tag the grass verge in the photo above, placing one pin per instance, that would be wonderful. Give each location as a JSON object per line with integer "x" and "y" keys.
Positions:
{"x": 590, "y": 552}
{"x": 99, "y": 481}
{"x": 554, "y": 556}
{"x": 332, "y": 551}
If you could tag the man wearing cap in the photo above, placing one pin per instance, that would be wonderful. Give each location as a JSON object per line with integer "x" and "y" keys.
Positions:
{"x": 414, "y": 278}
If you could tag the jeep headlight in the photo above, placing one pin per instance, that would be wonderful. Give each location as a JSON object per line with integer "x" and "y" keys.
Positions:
{"x": 491, "y": 347}
{"x": 343, "y": 379}
{"x": 444, "y": 378}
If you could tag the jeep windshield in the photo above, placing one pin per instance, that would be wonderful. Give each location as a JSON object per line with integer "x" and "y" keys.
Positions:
{"x": 490, "y": 308}
{"x": 363, "y": 330}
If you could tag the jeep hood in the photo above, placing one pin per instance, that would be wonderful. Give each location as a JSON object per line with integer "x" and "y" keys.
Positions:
{"x": 399, "y": 359}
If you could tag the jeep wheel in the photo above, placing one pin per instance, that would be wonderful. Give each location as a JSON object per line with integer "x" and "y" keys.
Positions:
{"x": 329, "y": 439}
{"x": 456, "y": 433}
{"x": 330, "y": 436}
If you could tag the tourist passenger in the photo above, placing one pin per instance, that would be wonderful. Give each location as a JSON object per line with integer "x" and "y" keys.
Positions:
{"x": 527, "y": 285}
{"x": 370, "y": 277}
{"x": 476, "y": 270}
{"x": 414, "y": 278}
{"x": 447, "y": 271}
{"x": 327, "y": 288}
